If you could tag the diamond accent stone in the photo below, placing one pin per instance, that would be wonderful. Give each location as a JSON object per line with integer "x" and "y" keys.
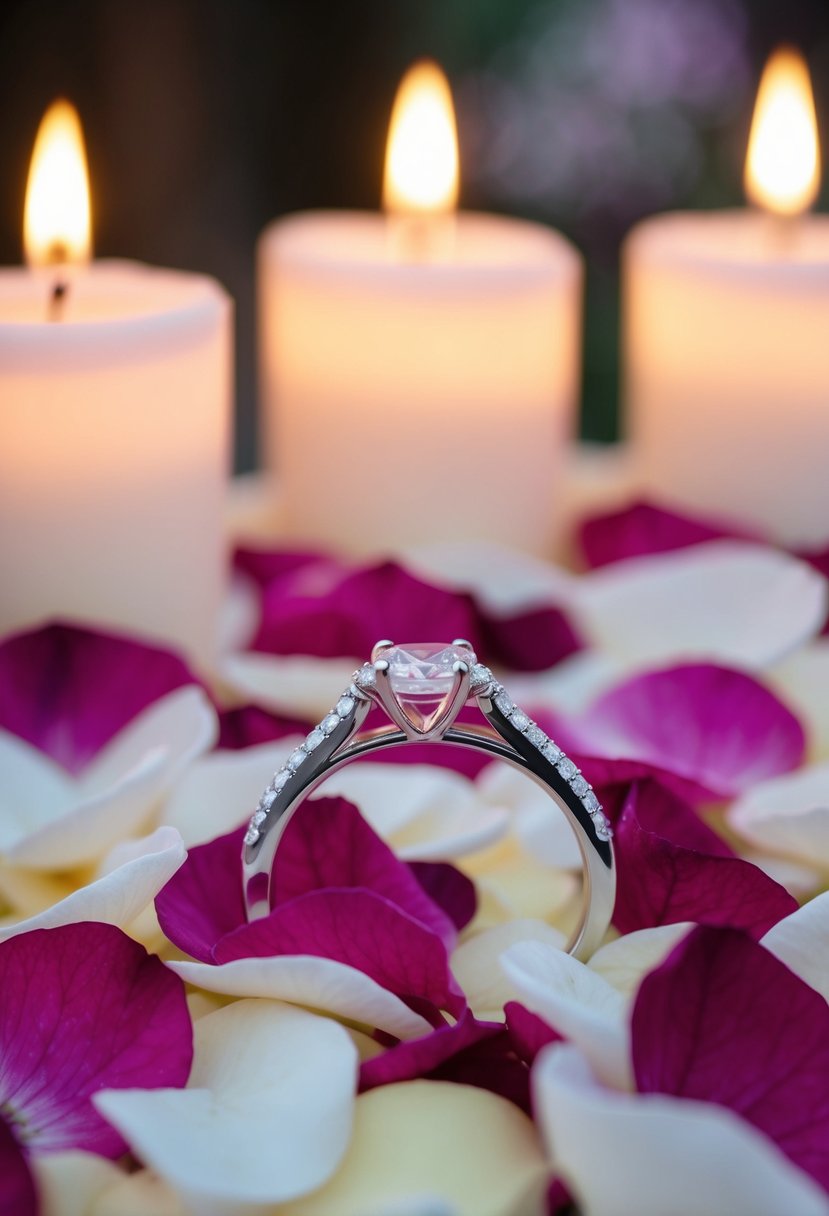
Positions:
{"x": 603, "y": 829}
{"x": 259, "y": 817}
{"x": 366, "y": 677}
{"x": 480, "y": 677}
{"x": 267, "y": 800}
{"x": 580, "y": 785}
{"x": 281, "y": 779}
{"x": 567, "y": 768}
{"x": 591, "y": 802}
{"x": 330, "y": 723}
{"x": 315, "y": 738}
{"x": 422, "y": 680}
{"x": 345, "y": 706}
{"x": 536, "y": 735}
{"x": 251, "y": 835}
{"x": 504, "y": 702}
{"x": 551, "y": 752}
{"x": 520, "y": 720}
{"x": 296, "y": 758}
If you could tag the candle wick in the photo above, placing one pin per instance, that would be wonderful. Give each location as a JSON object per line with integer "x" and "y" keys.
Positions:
{"x": 57, "y": 300}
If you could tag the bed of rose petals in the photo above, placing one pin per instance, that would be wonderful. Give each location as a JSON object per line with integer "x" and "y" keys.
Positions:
{"x": 403, "y": 1034}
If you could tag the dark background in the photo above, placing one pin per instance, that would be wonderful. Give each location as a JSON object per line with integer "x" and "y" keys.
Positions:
{"x": 205, "y": 119}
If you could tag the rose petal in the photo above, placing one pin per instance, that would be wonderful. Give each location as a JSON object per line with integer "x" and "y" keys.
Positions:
{"x": 327, "y": 843}
{"x": 625, "y": 961}
{"x": 358, "y": 928}
{"x": 267, "y": 1114}
{"x": 264, "y": 566}
{"x": 737, "y": 603}
{"x": 659, "y": 1154}
{"x": 247, "y": 725}
{"x": 203, "y": 901}
{"x": 475, "y": 1151}
{"x": 541, "y": 828}
{"x": 119, "y": 896}
{"x": 504, "y": 581}
{"x": 801, "y": 941}
{"x": 476, "y": 962}
{"x": 644, "y": 528}
{"x": 298, "y": 685}
{"x": 70, "y": 1183}
{"x": 216, "y": 793}
{"x": 801, "y": 680}
{"x": 69, "y": 690}
{"x": 528, "y": 1032}
{"x": 137, "y": 1194}
{"x": 575, "y": 1002}
{"x": 33, "y": 791}
{"x": 723, "y": 1020}
{"x": 718, "y": 728}
{"x": 319, "y": 983}
{"x": 85, "y": 1007}
{"x": 788, "y": 815}
{"x": 662, "y": 883}
{"x": 447, "y": 887}
{"x": 18, "y": 1196}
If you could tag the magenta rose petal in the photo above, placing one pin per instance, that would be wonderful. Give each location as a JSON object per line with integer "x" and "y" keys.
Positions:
{"x": 527, "y": 1031}
{"x": 658, "y": 807}
{"x": 18, "y": 1196}
{"x": 348, "y": 617}
{"x": 713, "y": 726}
{"x": 328, "y": 844}
{"x": 361, "y": 929}
{"x": 530, "y": 641}
{"x": 421, "y": 1057}
{"x": 69, "y": 690}
{"x": 661, "y": 883}
{"x": 644, "y": 528}
{"x": 448, "y": 888}
{"x": 247, "y": 725}
{"x": 203, "y": 901}
{"x": 266, "y": 566}
{"x": 722, "y": 1020}
{"x": 85, "y": 1008}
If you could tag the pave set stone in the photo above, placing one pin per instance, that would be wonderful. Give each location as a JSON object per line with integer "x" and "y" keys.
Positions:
{"x": 565, "y": 766}
{"x": 343, "y": 709}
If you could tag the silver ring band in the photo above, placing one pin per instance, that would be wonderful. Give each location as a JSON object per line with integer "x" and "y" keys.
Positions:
{"x": 509, "y": 736}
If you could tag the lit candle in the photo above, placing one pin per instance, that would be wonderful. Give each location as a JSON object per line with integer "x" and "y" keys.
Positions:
{"x": 419, "y": 369}
{"x": 114, "y": 424}
{"x": 727, "y": 316}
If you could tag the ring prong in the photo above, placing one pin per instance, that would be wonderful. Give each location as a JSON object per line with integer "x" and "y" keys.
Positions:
{"x": 379, "y": 647}
{"x": 381, "y": 666}
{"x": 463, "y": 642}
{"x": 460, "y": 666}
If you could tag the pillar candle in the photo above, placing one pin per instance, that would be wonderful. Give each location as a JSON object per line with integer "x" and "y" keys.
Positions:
{"x": 419, "y": 373}
{"x": 726, "y": 317}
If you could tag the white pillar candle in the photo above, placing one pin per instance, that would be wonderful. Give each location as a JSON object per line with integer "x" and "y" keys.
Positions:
{"x": 114, "y": 443}
{"x": 726, "y": 323}
{"x": 420, "y": 373}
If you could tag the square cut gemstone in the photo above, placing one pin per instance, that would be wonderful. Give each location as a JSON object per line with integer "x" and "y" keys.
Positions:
{"x": 422, "y": 679}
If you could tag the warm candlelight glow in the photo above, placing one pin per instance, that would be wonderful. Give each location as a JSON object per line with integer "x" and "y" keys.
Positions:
{"x": 57, "y": 226}
{"x": 783, "y": 164}
{"x": 421, "y": 175}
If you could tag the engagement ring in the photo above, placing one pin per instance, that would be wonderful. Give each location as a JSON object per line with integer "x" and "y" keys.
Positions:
{"x": 421, "y": 687}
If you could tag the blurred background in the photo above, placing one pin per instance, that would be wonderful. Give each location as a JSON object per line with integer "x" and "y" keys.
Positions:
{"x": 205, "y": 119}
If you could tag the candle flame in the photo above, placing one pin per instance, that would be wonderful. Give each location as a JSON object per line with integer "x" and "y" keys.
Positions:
{"x": 783, "y": 163}
{"x": 57, "y": 225}
{"x": 421, "y": 175}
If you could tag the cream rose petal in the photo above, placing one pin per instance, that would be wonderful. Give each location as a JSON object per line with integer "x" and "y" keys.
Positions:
{"x": 218, "y": 791}
{"x": 266, "y": 1115}
{"x": 625, "y": 961}
{"x": 319, "y": 983}
{"x": 122, "y": 893}
{"x": 69, "y": 1183}
{"x": 653, "y": 1154}
{"x": 801, "y": 680}
{"x": 139, "y": 1194}
{"x": 801, "y": 941}
{"x": 476, "y": 963}
{"x": 744, "y": 604}
{"x": 465, "y": 1148}
{"x": 540, "y": 825}
{"x": 575, "y": 1001}
{"x": 301, "y": 686}
{"x": 788, "y": 815}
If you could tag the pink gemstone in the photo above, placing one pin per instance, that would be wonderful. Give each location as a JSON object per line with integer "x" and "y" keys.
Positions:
{"x": 422, "y": 679}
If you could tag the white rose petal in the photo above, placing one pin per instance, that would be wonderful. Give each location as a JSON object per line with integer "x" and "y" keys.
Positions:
{"x": 476, "y": 963}
{"x": 319, "y": 983}
{"x": 466, "y": 1148}
{"x": 522, "y": 581}
{"x": 801, "y": 941}
{"x": 652, "y": 1154}
{"x": 739, "y": 603}
{"x": 300, "y": 686}
{"x": 576, "y": 1002}
{"x": 788, "y": 815}
{"x": 266, "y": 1115}
{"x": 122, "y": 893}
{"x": 802, "y": 680}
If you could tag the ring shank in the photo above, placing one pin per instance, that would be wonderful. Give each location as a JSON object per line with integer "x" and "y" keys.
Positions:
{"x": 597, "y": 854}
